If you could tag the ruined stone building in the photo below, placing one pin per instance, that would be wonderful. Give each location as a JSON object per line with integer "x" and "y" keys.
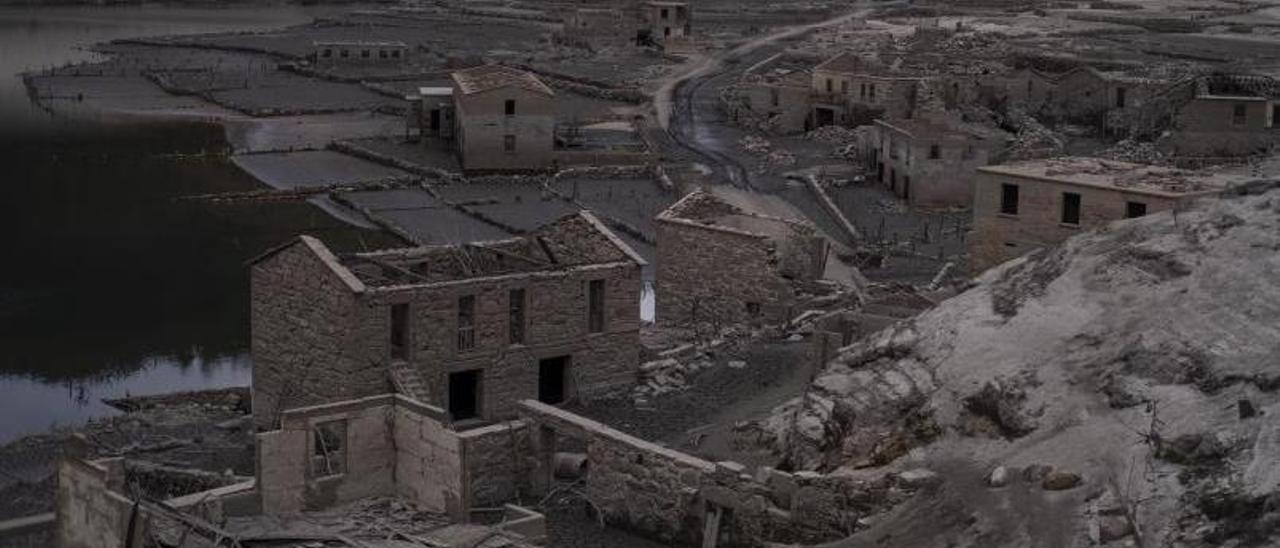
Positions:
{"x": 848, "y": 90}
{"x": 359, "y": 52}
{"x": 776, "y": 102}
{"x": 1027, "y": 205}
{"x": 1113, "y": 101}
{"x": 669, "y": 23}
{"x": 930, "y": 163}
{"x": 1225, "y": 115}
{"x": 505, "y": 119}
{"x": 470, "y": 328}
{"x": 718, "y": 262}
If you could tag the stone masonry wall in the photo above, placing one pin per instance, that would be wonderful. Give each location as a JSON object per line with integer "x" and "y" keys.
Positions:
{"x": 705, "y": 274}
{"x": 555, "y": 325}
{"x": 497, "y": 463}
{"x": 997, "y": 237}
{"x": 665, "y": 494}
{"x": 90, "y": 513}
{"x": 393, "y": 446}
{"x": 305, "y": 347}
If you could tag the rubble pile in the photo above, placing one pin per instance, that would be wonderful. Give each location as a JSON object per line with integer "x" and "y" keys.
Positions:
{"x": 1032, "y": 140}
{"x": 773, "y": 157}
{"x": 1088, "y": 383}
{"x": 1138, "y": 152}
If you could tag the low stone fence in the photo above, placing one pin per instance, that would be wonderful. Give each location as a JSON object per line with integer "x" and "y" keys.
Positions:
{"x": 680, "y": 498}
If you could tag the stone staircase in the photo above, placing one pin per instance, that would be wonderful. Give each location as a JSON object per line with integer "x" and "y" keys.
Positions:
{"x": 408, "y": 382}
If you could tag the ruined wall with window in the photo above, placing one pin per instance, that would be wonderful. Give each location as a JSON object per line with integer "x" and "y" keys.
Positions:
{"x": 719, "y": 264}
{"x": 1014, "y": 215}
{"x": 1223, "y": 126}
{"x": 930, "y": 163}
{"x": 506, "y": 120}
{"x": 472, "y": 328}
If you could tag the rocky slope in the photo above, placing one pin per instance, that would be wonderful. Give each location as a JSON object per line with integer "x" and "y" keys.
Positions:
{"x": 1119, "y": 389}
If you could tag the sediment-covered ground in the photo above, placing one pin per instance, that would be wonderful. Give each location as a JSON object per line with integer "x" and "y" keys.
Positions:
{"x": 1120, "y": 387}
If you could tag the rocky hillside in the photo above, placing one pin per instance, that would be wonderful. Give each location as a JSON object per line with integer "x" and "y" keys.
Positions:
{"x": 1121, "y": 388}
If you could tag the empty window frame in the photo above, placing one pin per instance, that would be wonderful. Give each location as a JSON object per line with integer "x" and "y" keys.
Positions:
{"x": 509, "y": 107}
{"x": 935, "y": 152}
{"x": 382, "y": 54}
{"x": 364, "y": 53}
{"x": 1009, "y": 199}
{"x": 1121, "y": 99}
{"x": 399, "y": 336}
{"x": 1133, "y": 210}
{"x": 871, "y": 91}
{"x": 509, "y": 143}
{"x": 665, "y": 14}
{"x": 327, "y": 53}
{"x": 830, "y": 85}
{"x": 345, "y": 53}
{"x": 1239, "y": 113}
{"x": 774, "y": 97}
{"x": 466, "y": 322}
{"x": 844, "y": 86}
{"x": 1070, "y": 208}
{"x": 515, "y": 316}
{"x": 329, "y": 448}
{"x": 395, "y": 54}
{"x": 595, "y": 306}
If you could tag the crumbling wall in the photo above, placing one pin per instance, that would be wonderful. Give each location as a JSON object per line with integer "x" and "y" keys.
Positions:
{"x": 393, "y": 446}
{"x": 669, "y": 495}
{"x": 709, "y": 274}
{"x": 496, "y": 462}
{"x": 428, "y": 459}
{"x": 305, "y": 342}
{"x": 1206, "y": 127}
{"x": 91, "y": 513}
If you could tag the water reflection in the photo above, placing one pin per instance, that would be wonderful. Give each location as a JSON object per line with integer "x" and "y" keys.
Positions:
{"x": 108, "y": 285}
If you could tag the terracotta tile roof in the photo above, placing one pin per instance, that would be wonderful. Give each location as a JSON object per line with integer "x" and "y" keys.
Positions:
{"x": 490, "y": 77}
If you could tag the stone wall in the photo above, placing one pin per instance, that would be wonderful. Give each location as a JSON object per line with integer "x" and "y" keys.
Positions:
{"x": 496, "y": 463}
{"x": 667, "y": 495}
{"x": 933, "y": 182}
{"x": 91, "y": 513}
{"x": 997, "y": 237}
{"x": 482, "y": 125}
{"x": 708, "y": 273}
{"x": 393, "y": 446}
{"x": 773, "y": 107}
{"x": 1205, "y": 127}
{"x": 320, "y": 337}
{"x": 306, "y": 348}
{"x": 556, "y": 325}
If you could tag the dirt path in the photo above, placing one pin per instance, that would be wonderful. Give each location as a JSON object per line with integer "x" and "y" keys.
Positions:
{"x": 674, "y": 100}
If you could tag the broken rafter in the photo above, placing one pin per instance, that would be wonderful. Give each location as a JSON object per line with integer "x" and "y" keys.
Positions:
{"x": 394, "y": 267}
{"x": 509, "y": 254}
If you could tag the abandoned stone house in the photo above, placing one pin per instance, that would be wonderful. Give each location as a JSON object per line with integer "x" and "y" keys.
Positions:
{"x": 1027, "y": 88}
{"x": 1226, "y": 115}
{"x": 1023, "y": 206}
{"x": 323, "y": 461}
{"x": 848, "y": 90}
{"x": 1115, "y": 102}
{"x": 359, "y": 52}
{"x": 669, "y": 23}
{"x": 930, "y": 163}
{"x": 505, "y": 119}
{"x": 472, "y": 328}
{"x": 721, "y": 263}
{"x": 772, "y": 102}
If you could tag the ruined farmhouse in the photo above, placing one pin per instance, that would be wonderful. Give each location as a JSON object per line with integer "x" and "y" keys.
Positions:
{"x": 471, "y": 328}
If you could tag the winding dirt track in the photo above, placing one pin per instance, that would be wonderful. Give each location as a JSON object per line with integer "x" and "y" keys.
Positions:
{"x": 674, "y": 101}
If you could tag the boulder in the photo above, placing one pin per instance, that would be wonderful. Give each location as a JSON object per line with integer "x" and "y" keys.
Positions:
{"x": 1060, "y": 480}
{"x": 999, "y": 477}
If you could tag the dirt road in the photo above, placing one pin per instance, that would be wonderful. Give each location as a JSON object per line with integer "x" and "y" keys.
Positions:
{"x": 674, "y": 101}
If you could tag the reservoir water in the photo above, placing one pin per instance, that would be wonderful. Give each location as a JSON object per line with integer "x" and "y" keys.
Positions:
{"x": 108, "y": 286}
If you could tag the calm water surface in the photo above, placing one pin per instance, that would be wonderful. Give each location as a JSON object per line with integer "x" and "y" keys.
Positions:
{"x": 107, "y": 286}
